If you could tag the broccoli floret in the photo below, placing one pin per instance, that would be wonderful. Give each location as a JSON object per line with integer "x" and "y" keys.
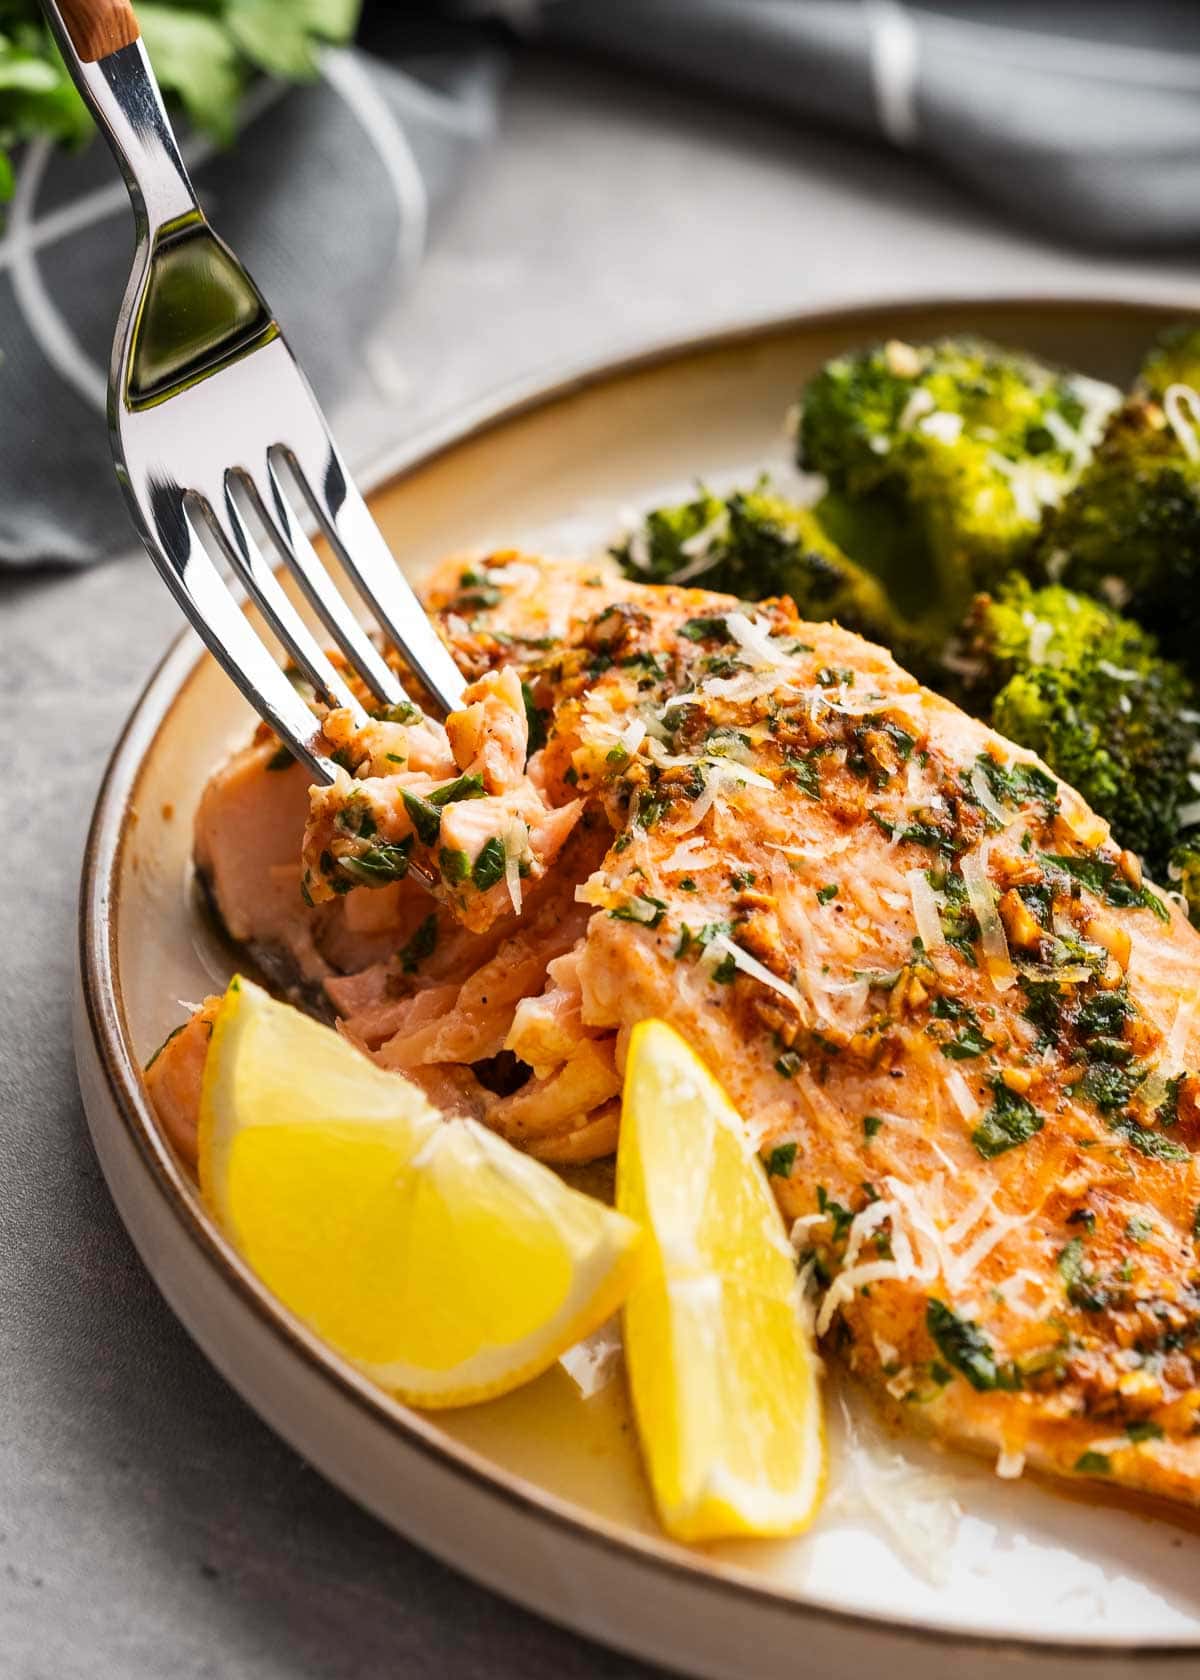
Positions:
{"x": 1174, "y": 360}
{"x": 1089, "y": 692}
{"x": 1130, "y": 530}
{"x": 752, "y": 544}
{"x": 961, "y": 443}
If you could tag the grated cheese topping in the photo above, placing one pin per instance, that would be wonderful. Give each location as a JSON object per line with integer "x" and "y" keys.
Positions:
{"x": 982, "y": 897}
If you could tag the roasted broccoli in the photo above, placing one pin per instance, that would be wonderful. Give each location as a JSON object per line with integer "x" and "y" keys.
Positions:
{"x": 952, "y": 451}
{"x": 1130, "y": 530}
{"x": 755, "y": 543}
{"x": 1089, "y": 692}
{"x": 1174, "y": 360}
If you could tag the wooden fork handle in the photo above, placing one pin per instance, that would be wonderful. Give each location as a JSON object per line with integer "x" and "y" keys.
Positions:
{"x": 99, "y": 27}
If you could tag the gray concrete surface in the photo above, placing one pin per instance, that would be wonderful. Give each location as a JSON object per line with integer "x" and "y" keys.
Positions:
{"x": 150, "y": 1527}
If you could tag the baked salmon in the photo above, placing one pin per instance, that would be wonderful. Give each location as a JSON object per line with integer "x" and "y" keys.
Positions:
{"x": 961, "y": 1026}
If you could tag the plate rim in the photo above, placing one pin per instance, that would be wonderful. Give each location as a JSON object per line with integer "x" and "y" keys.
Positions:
{"x": 105, "y": 1022}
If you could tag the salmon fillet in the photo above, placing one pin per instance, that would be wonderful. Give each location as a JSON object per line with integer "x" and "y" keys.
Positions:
{"x": 960, "y": 1025}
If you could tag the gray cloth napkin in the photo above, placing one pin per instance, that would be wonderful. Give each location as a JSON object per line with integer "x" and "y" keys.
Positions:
{"x": 1080, "y": 115}
{"x": 327, "y": 197}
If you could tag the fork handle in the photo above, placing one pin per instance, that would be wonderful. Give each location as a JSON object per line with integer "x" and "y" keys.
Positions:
{"x": 99, "y": 27}
{"x": 101, "y": 47}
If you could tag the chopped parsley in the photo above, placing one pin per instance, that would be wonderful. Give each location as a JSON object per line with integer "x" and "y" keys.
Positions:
{"x": 1152, "y": 1144}
{"x": 705, "y": 630}
{"x": 535, "y": 722}
{"x": 425, "y": 818}
{"x": 959, "y": 923}
{"x": 824, "y": 894}
{"x": 378, "y": 864}
{"x": 1019, "y": 784}
{"x": 454, "y": 865}
{"x": 1167, "y": 1112}
{"x": 1082, "y": 1287}
{"x": 1010, "y": 1121}
{"x": 1108, "y": 1087}
{"x": 644, "y": 909}
{"x": 805, "y": 774}
{"x": 963, "y": 1345}
{"x": 932, "y": 836}
{"x": 872, "y": 1124}
{"x": 489, "y": 865}
{"x": 970, "y": 1041}
{"x": 840, "y": 1218}
{"x": 1093, "y": 1464}
{"x": 781, "y": 1160}
{"x": 464, "y": 787}
{"x": 1100, "y": 875}
{"x": 402, "y": 712}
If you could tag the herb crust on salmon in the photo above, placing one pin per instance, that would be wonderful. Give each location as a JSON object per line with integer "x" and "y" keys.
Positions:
{"x": 959, "y": 1022}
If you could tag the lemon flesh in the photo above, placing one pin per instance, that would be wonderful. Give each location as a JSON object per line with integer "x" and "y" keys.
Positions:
{"x": 722, "y": 1371}
{"x": 437, "y": 1257}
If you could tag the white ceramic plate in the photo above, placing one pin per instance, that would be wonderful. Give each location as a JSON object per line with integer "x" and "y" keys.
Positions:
{"x": 922, "y": 1562}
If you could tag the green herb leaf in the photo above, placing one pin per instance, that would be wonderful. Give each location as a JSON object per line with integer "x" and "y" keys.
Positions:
{"x": 379, "y": 864}
{"x": 805, "y": 774}
{"x": 1106, "y": 1086}
{"x": 1156, "y": 1146}
{"x": 963, "y": 1345}
{"x": 705, "y": 630}
{"x": 970, "y": 1041}
{"x": 1081, "y": 1285}
{"x": 646, "y": 911}
{"x": 535, "y": 722}
{"x": 1099, "y": 875}
{"x": 1010, "y": 1121}
{"x": 454, "y": 865}
{"x": 489, "y": 865}
{"x": 425, "y": 818}
{"x": 1093, "y": 1464}
{"x": 402, "y": 712}
{"x": 465, "y": 787}
{"x": 781, "y": 1160}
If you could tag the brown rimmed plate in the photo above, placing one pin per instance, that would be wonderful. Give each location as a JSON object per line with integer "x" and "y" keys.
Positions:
{"x": 922, "y": 1562}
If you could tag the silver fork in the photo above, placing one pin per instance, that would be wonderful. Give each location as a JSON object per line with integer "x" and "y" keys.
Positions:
{"x": 219, "y": 445}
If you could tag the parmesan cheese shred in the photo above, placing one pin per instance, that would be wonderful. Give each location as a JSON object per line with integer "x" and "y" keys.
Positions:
{"x": 924, "y": 1249}
{"x": 982, "y": 898}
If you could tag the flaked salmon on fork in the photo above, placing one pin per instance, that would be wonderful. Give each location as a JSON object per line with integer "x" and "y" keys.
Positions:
{"x": 962, "y": 1027}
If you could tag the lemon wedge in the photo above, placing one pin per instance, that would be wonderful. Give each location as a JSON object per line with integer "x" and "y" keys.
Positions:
{"x": 442, "y": 1261}
{"x": 723, "y": 1373}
